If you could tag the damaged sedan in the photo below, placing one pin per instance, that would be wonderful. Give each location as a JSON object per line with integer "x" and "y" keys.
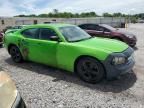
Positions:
{"x": 70, "y": 48}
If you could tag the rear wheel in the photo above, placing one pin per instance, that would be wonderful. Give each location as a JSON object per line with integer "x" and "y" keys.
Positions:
{"x": 90, "y": 70}
{"x": 16, "y": 54}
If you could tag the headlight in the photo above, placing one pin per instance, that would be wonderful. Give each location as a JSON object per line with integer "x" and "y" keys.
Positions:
{"x": 118, "y": 60}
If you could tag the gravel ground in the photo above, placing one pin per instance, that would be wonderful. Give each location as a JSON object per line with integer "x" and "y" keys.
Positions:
{"x": 45, "y": 87}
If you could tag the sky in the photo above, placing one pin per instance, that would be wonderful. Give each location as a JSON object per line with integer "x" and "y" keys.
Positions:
{"x": 16, "y": 7}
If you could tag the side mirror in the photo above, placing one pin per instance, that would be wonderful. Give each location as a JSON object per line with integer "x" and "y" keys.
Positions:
{"x": 54, "y": 38}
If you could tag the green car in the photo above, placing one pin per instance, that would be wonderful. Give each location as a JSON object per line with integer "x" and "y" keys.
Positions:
{"x": 70, "y": 48}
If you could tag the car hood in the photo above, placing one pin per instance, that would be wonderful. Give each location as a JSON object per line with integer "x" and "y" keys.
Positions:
{"x": 104, "y": 44}
{"x": 8, "y": 91}
{"x": 124, "y": 32}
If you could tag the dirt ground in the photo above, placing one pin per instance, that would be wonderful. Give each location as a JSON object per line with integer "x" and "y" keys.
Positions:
{"x": 45, "y": 87}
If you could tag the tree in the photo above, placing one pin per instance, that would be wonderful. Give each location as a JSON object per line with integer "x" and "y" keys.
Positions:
{"x": 93, "y": 14}
{"x": 107, "y": 15}
{"x": 43, "y": 15}
{"x": 32, "y": 15}
{"x": 117, "y": 15}
{"x": 20, "y": 16}
{"x": 50, "y": 15}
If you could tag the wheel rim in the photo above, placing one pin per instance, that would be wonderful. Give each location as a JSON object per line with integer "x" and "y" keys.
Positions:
{"x": 90, "y": 70}
{"x": 15, "y": 54}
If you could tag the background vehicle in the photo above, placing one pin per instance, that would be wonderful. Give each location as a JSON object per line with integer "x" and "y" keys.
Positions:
{"x": 15, "y": 28}
{"x": 140, "y": 21}
{"x": 1, "y": 39}
{"x": 106, "y": 31}
{"x": 71, "y": 48}
{"x": 7, "y": 28}
{"x": 10, "y": 97}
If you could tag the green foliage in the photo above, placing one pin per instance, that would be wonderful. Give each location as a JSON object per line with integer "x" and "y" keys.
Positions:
{"x": 57, "y": 14}
{"x": 107, "y": 15}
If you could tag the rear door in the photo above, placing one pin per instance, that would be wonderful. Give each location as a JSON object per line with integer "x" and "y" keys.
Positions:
{"x": 28, "y": 44}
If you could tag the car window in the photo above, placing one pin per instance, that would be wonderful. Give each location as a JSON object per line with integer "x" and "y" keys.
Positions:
{"x": 83, "y": 26}
{"x": 31, "y": 33}
{"x": 74, "y": 33}
{"x": 88, "y": 26}
{"x": 99, "y": 28}
{"x": 106, "y": 30}
{"x": 46, "y": 33}
{"x": 91, "y": 27}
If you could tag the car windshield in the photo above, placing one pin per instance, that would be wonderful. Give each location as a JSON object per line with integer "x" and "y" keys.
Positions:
{"x": 109, "y": 27}
{"x": 74, "y": 33}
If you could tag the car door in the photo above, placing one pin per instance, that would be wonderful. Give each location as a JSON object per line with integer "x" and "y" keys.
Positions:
{"x": 106, "y": 32}
{"x": 47, "y": 47}
{"x": 102, "y": 32}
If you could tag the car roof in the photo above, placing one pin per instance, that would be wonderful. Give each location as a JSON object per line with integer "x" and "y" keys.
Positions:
{"x": 88, "y": 24}
{"x": 49, "y": 25}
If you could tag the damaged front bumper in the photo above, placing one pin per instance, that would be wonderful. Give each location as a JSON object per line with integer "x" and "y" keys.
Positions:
{"x": 113, "y": 71}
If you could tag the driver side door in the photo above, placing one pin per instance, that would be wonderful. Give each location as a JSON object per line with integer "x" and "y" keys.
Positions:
{"x": 47, "y": 48}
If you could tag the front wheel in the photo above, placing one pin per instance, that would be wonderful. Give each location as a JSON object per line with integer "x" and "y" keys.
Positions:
{"x": 16, "y": 54}
{"x": 90, "y": 70}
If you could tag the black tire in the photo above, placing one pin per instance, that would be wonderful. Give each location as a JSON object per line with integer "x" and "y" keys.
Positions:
{"x": 16, "y": 54}
{"x": 90, "y": 70}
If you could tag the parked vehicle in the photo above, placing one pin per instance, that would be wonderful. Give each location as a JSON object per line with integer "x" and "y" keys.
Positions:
{"x": 15, "y": 28}
{"x": 106, "y": 31}
{"x": 9, "y": 96}
{"x": 1, "y": 39}
{"x": 7, "y": 28}
{"x": 71, "y": 48}
{"x": 140, "y": 21}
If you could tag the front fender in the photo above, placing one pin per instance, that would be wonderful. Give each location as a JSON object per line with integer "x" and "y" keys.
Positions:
{"x": 67, "y": 55}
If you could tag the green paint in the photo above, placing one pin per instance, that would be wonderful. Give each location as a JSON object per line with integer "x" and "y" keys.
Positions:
{"x": 62, "y": 54}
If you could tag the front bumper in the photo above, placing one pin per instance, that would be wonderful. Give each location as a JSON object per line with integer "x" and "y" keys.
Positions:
{"x": 113, "y": 71}
{"x": 19, "y": 103}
